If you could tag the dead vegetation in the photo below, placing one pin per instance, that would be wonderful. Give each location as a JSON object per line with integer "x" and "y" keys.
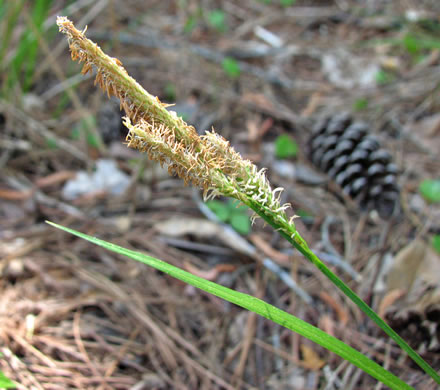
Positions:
{"x": 74, "y": 316}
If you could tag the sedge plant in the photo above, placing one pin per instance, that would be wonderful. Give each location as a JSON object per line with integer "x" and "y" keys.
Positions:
{"x": 209, "y": 162}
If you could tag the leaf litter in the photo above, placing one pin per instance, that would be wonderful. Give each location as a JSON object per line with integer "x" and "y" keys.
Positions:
{"x": 73, "y": 316}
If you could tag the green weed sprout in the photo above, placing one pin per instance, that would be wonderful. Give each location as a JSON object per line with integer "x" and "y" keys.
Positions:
{"x": 209, "y": 162}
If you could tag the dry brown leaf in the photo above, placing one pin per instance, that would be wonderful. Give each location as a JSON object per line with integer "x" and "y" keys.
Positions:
{"x": 252, "y": 130}
{"x": 210, "y": 274}
{"x": 405, "y": 266}
{"x": 15, "y": 195}
{"x": 427, "y": 131}
{"x": 55, "y": 178}
{"x": 339, "y": 310}
{"x": 258, "y": 100}
{"x": 415, "y": 276}
{"x": 389, "y": 299}
{"x": 416, "y": 270}
{"x": 326, "y": 324}
{"x": 268, "y": 250}
{"x": 312, "y": 104}
{"x": 311, "y": 359}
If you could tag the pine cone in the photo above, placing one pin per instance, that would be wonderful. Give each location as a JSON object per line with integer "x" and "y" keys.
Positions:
{"x": 354, "y": 160}
{"x": 419, "y": 330}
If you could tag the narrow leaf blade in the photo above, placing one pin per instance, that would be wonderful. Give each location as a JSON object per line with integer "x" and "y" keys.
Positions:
{"x": 257, "y": 306}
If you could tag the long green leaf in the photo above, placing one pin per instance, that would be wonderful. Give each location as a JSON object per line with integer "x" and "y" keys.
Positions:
{"x": 257, "y": 306}
{"x": 299, "y": 243}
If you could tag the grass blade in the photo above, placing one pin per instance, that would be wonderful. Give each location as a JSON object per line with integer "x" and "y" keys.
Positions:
{"x": 257, "y": 306}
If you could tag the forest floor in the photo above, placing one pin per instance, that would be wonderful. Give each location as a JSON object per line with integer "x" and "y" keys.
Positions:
{"x": 75, "y": 316}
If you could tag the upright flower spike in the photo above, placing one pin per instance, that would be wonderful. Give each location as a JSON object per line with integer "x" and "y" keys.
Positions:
{"x": 207, "y": 161}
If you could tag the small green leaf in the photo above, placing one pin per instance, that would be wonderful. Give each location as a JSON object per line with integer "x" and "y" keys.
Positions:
{"x": 217, "y": 19}
{"x": 184, "y": 116}
{"x": 231, "y": 67}
{"x": 360, "y": 104}
{"x": 436, "y": 242}
{"x": 220, "y": 209}
{"x": 92, "y": 140}
{"x": 86, "y": 126}
{"x": 5, "y": 382}
{"x": 430, "y": 190}
{"x": 62, "y": 103}
{"x": 133, "y": 162}
{"x": 412, "y": 44}
{"x": 89, "y": 121}
{"x": 303, "y": 213}
{"x": 430, "y": 25}
{"x": 170, "y": 92}
{"x": 287, "y": 3}
{"x": 241, "y": 223}
{"x": 384, "y": 77}
{"x": 418, "y": 58}
{"x": 285, "y": 147}
{"x": 75, "y": 134}
{"x": 51, "y": 143}
{"x": 190, "y": 24}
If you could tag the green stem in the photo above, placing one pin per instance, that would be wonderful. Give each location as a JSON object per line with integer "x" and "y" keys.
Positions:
{"x": 301, "y": 245}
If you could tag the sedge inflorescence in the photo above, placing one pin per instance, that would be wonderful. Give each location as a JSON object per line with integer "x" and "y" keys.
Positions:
{"x": 207, "y": 161}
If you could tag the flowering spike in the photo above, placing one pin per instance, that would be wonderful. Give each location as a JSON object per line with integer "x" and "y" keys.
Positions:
{"x": 206, "y": 161}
